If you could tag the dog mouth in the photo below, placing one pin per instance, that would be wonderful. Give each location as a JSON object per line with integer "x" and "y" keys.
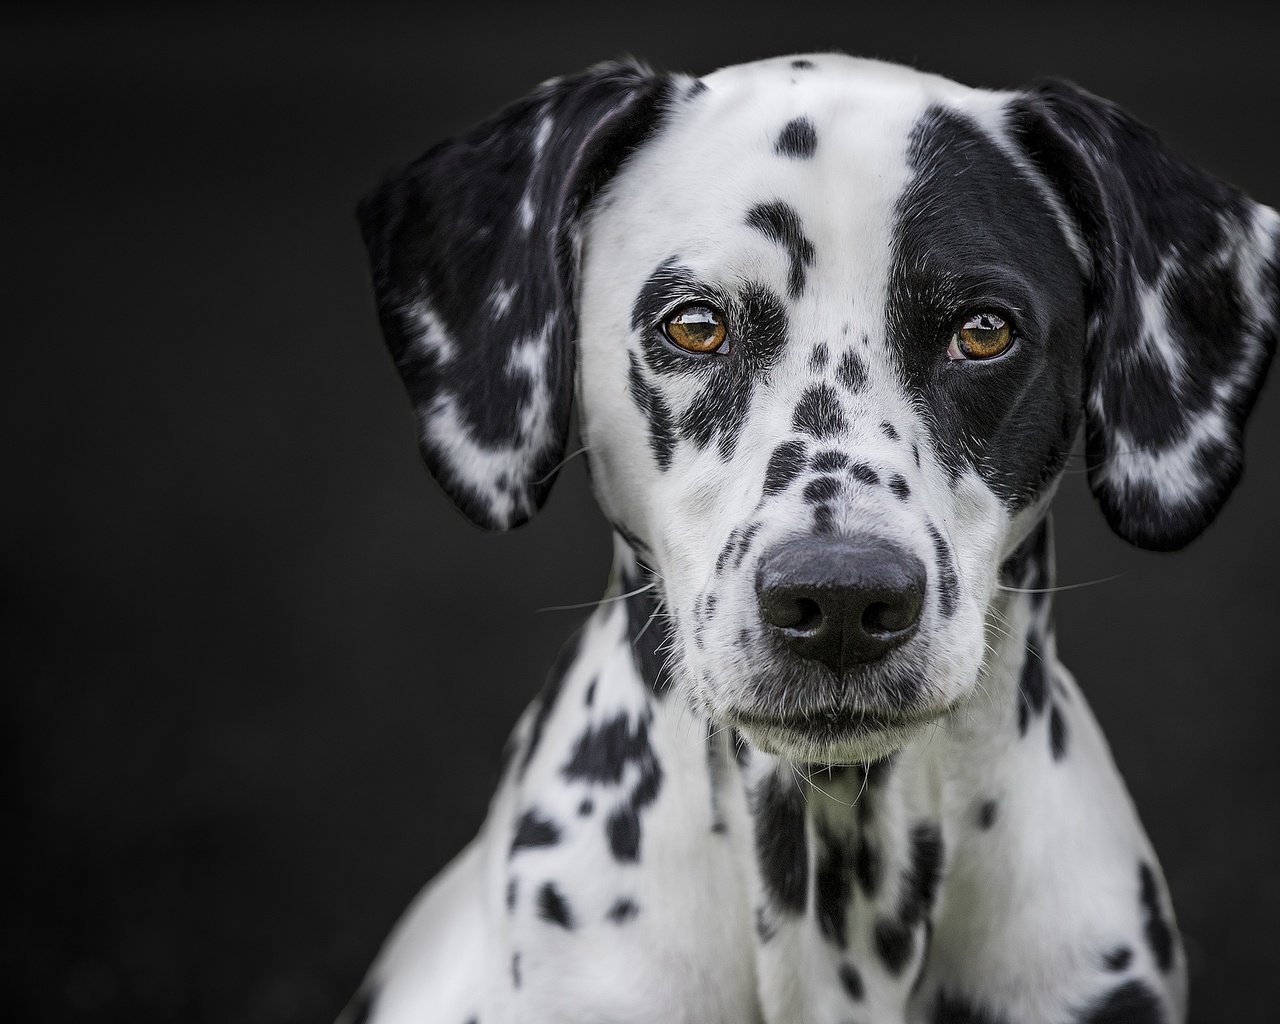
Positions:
{"x": 830, "y": 728}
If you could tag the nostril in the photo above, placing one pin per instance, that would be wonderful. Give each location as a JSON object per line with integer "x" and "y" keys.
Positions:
{"x": 881, "y": 618}
{"x": 797, "y": 615}
{"x": 809, "y": 617}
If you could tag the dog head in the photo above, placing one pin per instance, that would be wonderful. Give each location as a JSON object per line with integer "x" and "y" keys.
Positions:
{"x": 834, "y": 325}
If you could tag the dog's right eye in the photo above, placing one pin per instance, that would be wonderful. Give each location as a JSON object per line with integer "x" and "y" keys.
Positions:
{"x": 697, "y": 328}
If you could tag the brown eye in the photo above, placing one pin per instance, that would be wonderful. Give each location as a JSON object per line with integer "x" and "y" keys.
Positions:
{"x": 698, "y": 329}
{"x": 981, "y": 336}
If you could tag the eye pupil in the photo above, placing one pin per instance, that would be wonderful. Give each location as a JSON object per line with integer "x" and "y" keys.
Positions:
{"x": 699, "y": 329}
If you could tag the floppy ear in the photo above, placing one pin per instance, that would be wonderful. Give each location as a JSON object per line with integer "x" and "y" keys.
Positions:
{"x": 1183, "y": 298}
{"x": 474, "y": 255}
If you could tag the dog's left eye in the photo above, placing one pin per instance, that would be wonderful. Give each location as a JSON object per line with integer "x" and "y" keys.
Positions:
{"x": 982, "y": 335}
{"x": 697, "y": 328}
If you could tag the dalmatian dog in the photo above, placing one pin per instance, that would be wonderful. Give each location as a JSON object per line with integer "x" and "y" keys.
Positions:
{"x": 831, "y": 327}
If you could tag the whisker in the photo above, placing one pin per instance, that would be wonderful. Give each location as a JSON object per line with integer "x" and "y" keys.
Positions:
{"x": 596, "y": 604}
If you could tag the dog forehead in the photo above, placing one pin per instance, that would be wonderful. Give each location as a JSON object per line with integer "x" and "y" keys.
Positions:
{"x": 827, "y": 135}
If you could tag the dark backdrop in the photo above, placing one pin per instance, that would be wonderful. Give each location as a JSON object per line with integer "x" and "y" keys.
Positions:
{"x": 260, "y": 671}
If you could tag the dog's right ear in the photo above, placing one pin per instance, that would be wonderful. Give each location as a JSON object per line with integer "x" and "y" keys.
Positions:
{"x": 474, "y": 252}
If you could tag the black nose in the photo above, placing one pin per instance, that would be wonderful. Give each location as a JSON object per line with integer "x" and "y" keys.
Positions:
{"x": 840, "y": 600}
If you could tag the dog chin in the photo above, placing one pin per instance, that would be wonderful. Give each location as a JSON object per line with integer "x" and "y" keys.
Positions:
{"x": 857, "y": 741}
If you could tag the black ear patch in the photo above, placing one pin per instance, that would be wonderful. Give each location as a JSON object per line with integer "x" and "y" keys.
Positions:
{"x": 1183, "y": 293}
{"x": 473, "y": 251}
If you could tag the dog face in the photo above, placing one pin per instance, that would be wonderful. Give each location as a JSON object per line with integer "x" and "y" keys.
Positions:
{"x": 835, "y": 325}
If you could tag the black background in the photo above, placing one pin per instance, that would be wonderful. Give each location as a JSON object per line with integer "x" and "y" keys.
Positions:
{"x": 261, "y": 671}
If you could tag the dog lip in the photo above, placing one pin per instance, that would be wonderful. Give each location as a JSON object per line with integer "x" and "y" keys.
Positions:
{"x": 835, "y": 721}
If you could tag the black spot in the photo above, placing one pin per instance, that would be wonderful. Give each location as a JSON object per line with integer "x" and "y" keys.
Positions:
{"x": 646, "y": 630}
{"x": 662, "y": 438}
{"x": 851, "y": 981}
{"x": 852, "y": 371}
{"x": 948, "y": 583}
{"x": 924, "y": 873}
{"x": 821, "y": 489}
{"x": 889, "y": 430}
{"x": 553, "y": 907}
{"x": 551, "y": 692}
{"x": 622, "y": 911}
{"x": 1032, "y": 690}
{"x": 1131, "y": 1003}
{"x": 781, "y": 846}
{"x": 894, "y": 943}
{"x": 533, "y": 830}
{"x": 952, "y": 1009}
{"x": 1118, "y": 959}
{"x": 987, "y": 814}
{"x": 585, "y": 808}
{"x": 1057, "y": 733}
{"x": 802, "y": 65}
{"x": 785, "y": 464}
{"x": 915, "y": 453}
{"x": 696, "y": 89}
{"x": 863, "y": 473}
{"x": 833, "y": 887}
{"x": 512, "y": 893}
{"x": 602, "y": 755}
{"x": 590, "y": 694}
{"x": 866, "y": 865}
{"x": 765, "y": 928}
{"x": 515, "y": 969}
{"x": 829, "y": 461}
{"x": 1159, "y": 934}
{"x": 818, "y": 359}
{"x": 779, "y": 222}
{"x": 798, "y": 139}
{"x": 818, "y": 412}
{"x": 744, "y": 638}
{"x": 899, "y": 486}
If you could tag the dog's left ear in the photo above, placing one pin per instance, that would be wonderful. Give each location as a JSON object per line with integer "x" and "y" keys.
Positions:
{"x": 1183, "y": 298}
{"x": 474, "y": 251}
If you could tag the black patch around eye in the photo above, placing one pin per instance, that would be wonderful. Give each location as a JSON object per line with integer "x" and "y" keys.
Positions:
{"x": 821, "y": 489}
{"x": 781, "y": 846}
{"x": 899, "y": 486}
{"x": 798, "y": 139}
{"x": 785, "y": 464}
{"x": 852, "y": 371}
{"x": 553, "y": 907}
{"x": 533, "y": 830}
{"x": 863, "y": 473}
{"x": 1131, "y": 1003}
{"x": 818, "y": 359}
{"x": 779, "y": 222}
{"x": 1159, "y": 934}
{"x": 829, "y": 461}
{"x": 818, "y": 413}
{"x": 662, "y": 439}
{"x": 948, "y": 582}
{"x": 851, "y": 982}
